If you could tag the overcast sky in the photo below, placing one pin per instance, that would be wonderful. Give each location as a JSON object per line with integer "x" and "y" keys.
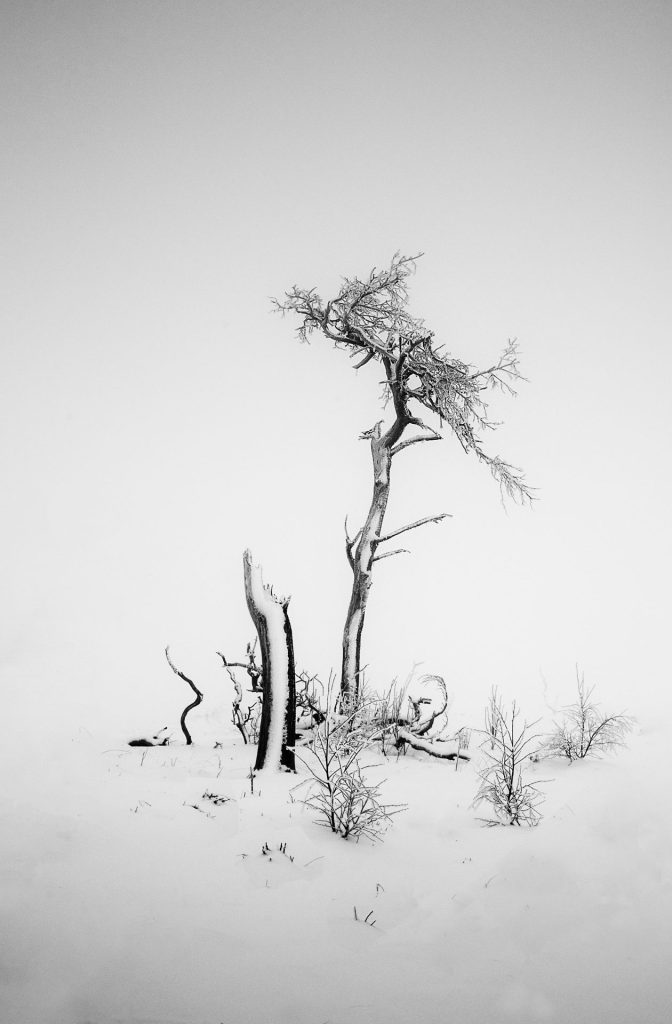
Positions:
{"x": 167, "y": 167}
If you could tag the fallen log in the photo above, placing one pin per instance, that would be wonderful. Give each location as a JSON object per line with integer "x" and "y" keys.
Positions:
{"x": 447, "y": 749}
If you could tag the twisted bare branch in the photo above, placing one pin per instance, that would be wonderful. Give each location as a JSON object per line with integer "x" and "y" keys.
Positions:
{"x": 194, "y": 704}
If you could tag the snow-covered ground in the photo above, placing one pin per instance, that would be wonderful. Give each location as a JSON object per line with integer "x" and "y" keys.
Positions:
{"x": 128, "y": 897}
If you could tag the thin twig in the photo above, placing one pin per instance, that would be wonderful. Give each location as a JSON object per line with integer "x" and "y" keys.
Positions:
{"x": 413, "y": 526}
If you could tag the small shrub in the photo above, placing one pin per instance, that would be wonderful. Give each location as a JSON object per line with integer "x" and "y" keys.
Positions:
{"x": 585, "y": 731}
{"x": 339, "y": 793}
{"x": 508, "y": 746}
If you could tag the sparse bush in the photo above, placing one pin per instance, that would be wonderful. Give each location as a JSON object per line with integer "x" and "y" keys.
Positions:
{"x": 339, "y": 793}
{"x": 509, "y": 745}
{"x": 585, "y": 731}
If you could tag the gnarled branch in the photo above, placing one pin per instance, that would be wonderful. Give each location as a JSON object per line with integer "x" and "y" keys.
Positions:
{"x": 194, "y": 704}
{"x": 253, "y": 670}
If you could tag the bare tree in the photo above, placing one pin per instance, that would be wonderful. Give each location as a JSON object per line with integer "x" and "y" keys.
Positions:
{"x": 585, "y": 731}
{"x": 369, "y": 319}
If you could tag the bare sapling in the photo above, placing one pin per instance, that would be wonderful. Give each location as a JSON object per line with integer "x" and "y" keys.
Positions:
{"x": 585, "y": 731}
{"x": 507, "y": 751}
{"x": 369, "y": 320}
{"x": 244, "y": 716}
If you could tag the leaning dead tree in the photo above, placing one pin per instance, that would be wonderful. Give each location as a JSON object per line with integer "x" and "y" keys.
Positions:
{"x": 369, "y": 319}
{"x": 277, "y": 731}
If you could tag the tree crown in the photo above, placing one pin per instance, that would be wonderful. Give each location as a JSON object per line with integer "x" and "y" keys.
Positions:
{"x": 370, "y": 319}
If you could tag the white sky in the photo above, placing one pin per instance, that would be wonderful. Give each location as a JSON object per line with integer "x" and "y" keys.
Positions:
{"x": 168, "y": 167}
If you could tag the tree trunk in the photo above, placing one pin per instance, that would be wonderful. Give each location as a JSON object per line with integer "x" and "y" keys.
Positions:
{"x": 277, "y": 734}
{"x": 361, "y": 563}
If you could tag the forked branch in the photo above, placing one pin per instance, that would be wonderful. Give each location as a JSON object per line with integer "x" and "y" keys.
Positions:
{"x": 350, "y": 543}
{"x": 434, "y": 436}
